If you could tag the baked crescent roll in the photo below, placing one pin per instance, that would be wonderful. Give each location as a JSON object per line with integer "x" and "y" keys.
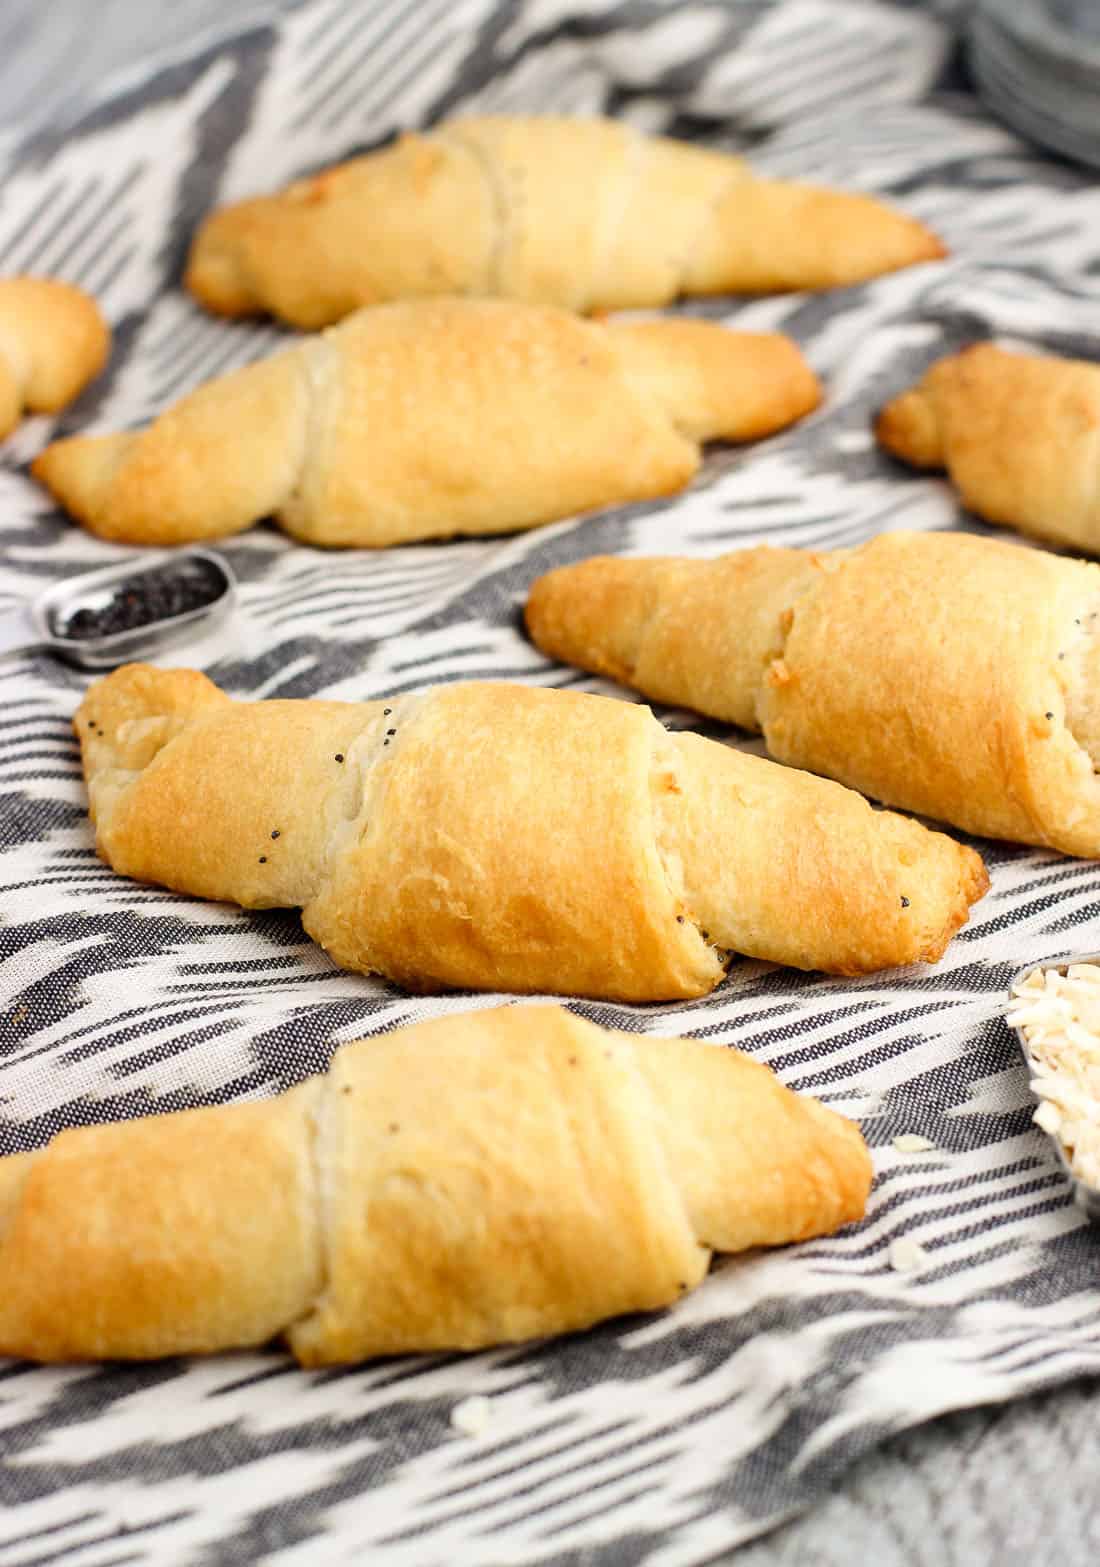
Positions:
{"x": 505, "y": 837}
{"x": 585, "y": 213}
{"x": 946, "y": 674}
{"x": 432, "y": 418}
{"x": 53, "y": 340}
{"x": 1019, "y": 436}
{"x": 567, "y": 1174}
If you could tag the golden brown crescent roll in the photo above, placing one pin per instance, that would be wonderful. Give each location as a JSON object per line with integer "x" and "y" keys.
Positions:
{"x": 53, "y": 340}
{"x": 433, "y": 418}
{"x": 942, "y": 673}
{"x": 505, "y": 837}
{"x": 567, "y": 1174}
{"x": 585, "y": 213}
{"x": 1019, "y": 436}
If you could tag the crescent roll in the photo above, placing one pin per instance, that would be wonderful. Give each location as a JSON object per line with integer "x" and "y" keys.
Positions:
{"x": 585, "y": 213}
{"x": 950, "y": 675}
{"x": 432, "y": 418}
{"x": 1019, "y": 436}
{"x": 504, "y": 837}
{"x": 53, "y": 341}
{"x": 567, "y": 1174}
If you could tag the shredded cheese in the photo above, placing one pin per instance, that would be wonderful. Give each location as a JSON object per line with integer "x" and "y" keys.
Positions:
{"x": 1058, "y": 1013}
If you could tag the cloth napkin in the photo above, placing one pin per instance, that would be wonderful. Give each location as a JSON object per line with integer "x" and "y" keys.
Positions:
{"x": 664, "y": 1439}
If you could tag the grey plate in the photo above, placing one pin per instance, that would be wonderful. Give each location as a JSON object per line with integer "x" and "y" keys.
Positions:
{"x": 1085, "y": 1196}
{"x": 1060, "y": 34}
{"x": 1037, "y": 65}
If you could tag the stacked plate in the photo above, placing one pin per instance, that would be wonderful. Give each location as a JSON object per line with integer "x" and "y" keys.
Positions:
{"x": 1037, "y": 65}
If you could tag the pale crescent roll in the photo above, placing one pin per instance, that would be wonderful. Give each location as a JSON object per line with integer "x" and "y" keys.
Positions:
{"x": 585, "y": 213}
{"x": 432, "y": 418}
{"x": 53, "y": 341}
{"x": 565, "y": 1174}
{"x": 505, "y": 837}
{"x": 941, "y": 673}
{"x": 1019, "y": 436}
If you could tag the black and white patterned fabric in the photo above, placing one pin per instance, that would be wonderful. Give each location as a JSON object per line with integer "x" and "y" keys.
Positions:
{"x": 665, "y": 1439}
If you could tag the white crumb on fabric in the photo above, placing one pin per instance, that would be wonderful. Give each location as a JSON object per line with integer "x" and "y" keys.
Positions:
{"x": 907, "y": 1255}
{"x": 472, "y": 1416}
{"x": 102, "y": 1095}
{"x": 912, "y": 1142}
{"x": 1058, "y": 1013}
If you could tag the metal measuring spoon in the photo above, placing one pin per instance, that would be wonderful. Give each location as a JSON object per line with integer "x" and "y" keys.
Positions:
{"x": 107, "y": 617}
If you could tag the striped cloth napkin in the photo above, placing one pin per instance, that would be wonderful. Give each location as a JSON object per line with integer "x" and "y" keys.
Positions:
{"x": 667, "y": 1439}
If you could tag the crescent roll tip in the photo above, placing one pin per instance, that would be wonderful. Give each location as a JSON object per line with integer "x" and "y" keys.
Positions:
{"x": 1018, "y": 434}
{"x": 213, "y": 274}
{"x": 907, "y": 428}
